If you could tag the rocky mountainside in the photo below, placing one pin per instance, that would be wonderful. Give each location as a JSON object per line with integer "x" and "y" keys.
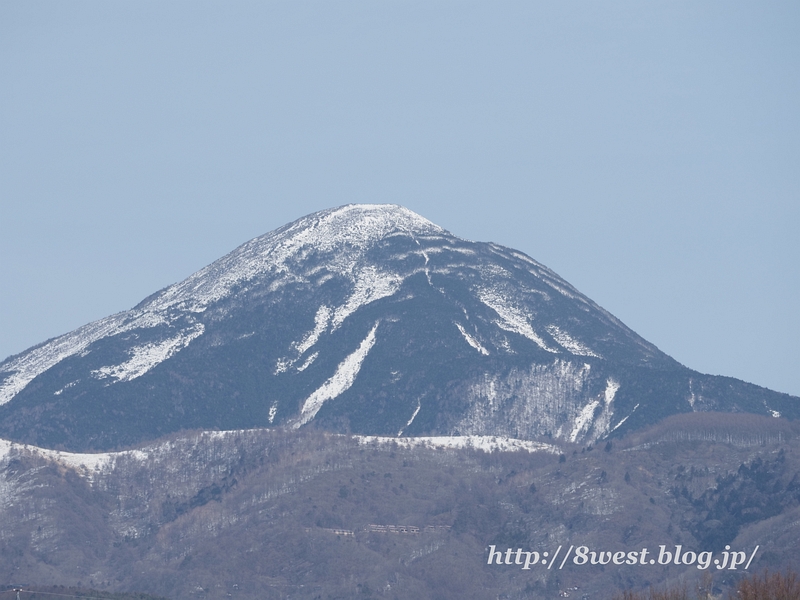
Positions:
{"x": 363, "y": 319}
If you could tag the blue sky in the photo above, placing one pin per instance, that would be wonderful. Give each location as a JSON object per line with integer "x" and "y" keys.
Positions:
{"x": 648, "y": 152}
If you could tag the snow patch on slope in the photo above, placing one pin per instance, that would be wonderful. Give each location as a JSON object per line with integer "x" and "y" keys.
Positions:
{"x": 66, "y": 387}
{"x": 27, "y": 366}
{"x": 584, "y": 420}
{"x": 411, "y": 420}
{"x": 624, "y": 419}
{"x": 528, "y": 403}
{"x": 569, "y": 343}
{"x": 511, "y": 318}
{"x": 449, "y": 248}
{"x": 775, "y": 414}
{"x": 472, "y": 341}
{"x": 599, "y": 425}
{"x": 370, "y": 284}
{"x": 145, "y": 357}
{"x": 307, "y": 362}
{"x": 612, "y": 387}
{"x": 341, "y": 381}
{"x": 321, "y": 320}
{"x": 556, "y": 399}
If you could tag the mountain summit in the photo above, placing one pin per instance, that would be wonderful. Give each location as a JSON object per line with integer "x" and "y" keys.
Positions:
{"x": 365, "y": 319}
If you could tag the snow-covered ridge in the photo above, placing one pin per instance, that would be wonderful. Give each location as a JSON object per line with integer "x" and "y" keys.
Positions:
{"x": 91, "y": 465}
{"x": 487, "y": 443}
{"x": 349, "y": 230}
{"x": 87, "y": 464}
{"x": 26, "y": 366}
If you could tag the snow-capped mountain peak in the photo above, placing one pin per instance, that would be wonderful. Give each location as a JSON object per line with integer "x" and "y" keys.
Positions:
{"x": 362, "y": 318}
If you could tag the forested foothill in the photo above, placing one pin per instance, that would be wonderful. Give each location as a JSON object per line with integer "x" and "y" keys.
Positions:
{"x": 309, "y": 514}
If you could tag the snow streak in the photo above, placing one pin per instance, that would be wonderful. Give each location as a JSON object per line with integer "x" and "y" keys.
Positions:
{"x": 371, "y": 284}
{"x": 583, "y": 420}
{"x": 511, "y": 318}
{"x": 143, "y": 358}
{"x": 341, "y": 381}
{"x": 471, "y": 340}
{"x": 411, "y": 420}
{"x": 569, "y": 343}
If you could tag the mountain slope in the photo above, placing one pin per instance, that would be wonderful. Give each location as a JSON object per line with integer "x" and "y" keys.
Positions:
{"x": 307, "y": 514}
{"x": 366, "y": 319}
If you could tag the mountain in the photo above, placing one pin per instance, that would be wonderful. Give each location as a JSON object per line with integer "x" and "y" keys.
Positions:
{"x": 363, "y": 319}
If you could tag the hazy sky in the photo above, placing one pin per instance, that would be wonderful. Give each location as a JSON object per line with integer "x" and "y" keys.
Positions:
{"x": 648, "y": 152}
